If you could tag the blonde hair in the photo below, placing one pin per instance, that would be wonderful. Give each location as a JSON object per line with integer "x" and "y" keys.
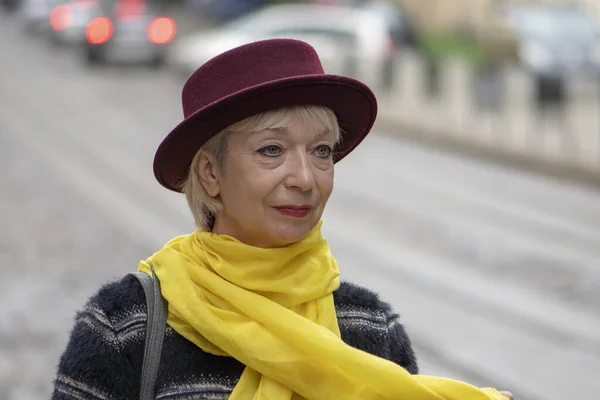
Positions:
{"x": 204, "y": 207}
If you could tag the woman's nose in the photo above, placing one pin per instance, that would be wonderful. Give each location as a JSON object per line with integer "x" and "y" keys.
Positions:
{"x": 300, "y": 174}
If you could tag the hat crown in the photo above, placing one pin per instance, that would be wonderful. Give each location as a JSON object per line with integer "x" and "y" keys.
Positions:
{"x": 231, "y": 72}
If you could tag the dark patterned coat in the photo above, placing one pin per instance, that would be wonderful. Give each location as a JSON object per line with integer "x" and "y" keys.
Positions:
{"x": 103, "y": 358}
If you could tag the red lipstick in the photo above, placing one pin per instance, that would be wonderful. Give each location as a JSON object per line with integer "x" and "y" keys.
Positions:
{"x": 294, "y": 211}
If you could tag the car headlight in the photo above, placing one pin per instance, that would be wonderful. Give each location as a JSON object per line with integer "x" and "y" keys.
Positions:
{"x": 536, "y": 55}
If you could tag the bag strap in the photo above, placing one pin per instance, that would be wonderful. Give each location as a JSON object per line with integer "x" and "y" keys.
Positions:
{"x": 155, "y": 332}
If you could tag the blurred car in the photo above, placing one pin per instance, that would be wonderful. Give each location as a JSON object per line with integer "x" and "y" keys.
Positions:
{"x": 401, "y": 29}
{"x": 549, "y": 41}
{"x": 131, "y": 31}
{"x": 36, "y": 14}
{"x": 10, "y": 5}
{"x": 556, "y": 40}
{"x": 69, "y": 19}
{"x": 224, "y": 10}
{"x": 346, "y": 38}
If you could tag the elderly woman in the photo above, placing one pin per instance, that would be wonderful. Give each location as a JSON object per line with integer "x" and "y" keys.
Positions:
{"x": 256, "y": 309}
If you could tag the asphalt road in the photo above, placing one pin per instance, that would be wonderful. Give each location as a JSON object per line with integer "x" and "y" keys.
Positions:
{"x": 494, "y": 271}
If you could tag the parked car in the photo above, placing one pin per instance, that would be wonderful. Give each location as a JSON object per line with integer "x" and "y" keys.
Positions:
{"x": 359, "y": 37}
{"x": 556, "y": 41}
{"x": 130, "y": 31}
{"x": 10, "y": 5}
{"x": 36, "y": 14}
{"x": 549, "y": 41}
{"x": 224, "y": 10}
{"x": 68, "y": 20}
{"x": 401, "y": 30}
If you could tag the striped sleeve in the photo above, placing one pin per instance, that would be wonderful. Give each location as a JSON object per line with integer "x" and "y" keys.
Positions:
{"x": 93, "y": 365}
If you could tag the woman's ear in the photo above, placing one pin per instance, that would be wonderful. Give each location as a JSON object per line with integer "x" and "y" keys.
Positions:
{"x": 208, "y": 172}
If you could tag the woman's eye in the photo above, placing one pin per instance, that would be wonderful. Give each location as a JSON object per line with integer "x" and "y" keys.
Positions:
{"x": 323, "y": 151}
{"x": 270, "y": 151}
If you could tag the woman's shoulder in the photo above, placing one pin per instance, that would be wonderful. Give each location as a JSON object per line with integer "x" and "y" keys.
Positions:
{"x": 353, "y": 296}
{"x": 119, "y": 299}
{"x": 372, "y": 325}
{"x": 100, "y": 356}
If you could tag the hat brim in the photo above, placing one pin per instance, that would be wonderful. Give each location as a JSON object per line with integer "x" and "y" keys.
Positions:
{"x": 352, "y": 101}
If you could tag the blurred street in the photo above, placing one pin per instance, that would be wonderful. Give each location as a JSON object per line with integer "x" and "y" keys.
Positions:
{"x": 496, "y": 273}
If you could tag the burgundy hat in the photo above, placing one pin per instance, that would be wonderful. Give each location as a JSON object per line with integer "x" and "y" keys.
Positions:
{"x": 255, "y": 78}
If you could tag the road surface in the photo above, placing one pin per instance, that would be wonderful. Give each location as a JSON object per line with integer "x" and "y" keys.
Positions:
{"x": 496, "y": 273}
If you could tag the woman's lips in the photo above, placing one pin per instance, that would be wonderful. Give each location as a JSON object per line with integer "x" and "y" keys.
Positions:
{"x": 294, "y": 211}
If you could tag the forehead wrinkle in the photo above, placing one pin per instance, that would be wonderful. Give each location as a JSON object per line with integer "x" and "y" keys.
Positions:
{"x": 283, "y": 131}
{"x": 320, "y": 133}
{"x": 323, "y": 132}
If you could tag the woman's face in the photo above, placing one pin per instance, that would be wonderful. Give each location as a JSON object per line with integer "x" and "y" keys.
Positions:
{"x": 274, "y": 185}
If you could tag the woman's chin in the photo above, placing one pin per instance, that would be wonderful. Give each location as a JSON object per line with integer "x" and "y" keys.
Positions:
{"x": 291, "y": 233}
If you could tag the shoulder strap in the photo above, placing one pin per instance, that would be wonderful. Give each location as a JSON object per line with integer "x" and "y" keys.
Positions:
{"x": 155, "y": 331}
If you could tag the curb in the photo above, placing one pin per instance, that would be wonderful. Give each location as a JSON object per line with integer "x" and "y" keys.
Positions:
{"x": 519, "y": 163}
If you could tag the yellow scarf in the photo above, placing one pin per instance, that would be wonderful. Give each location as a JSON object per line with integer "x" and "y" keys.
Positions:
{"x": 273, "y": 310}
